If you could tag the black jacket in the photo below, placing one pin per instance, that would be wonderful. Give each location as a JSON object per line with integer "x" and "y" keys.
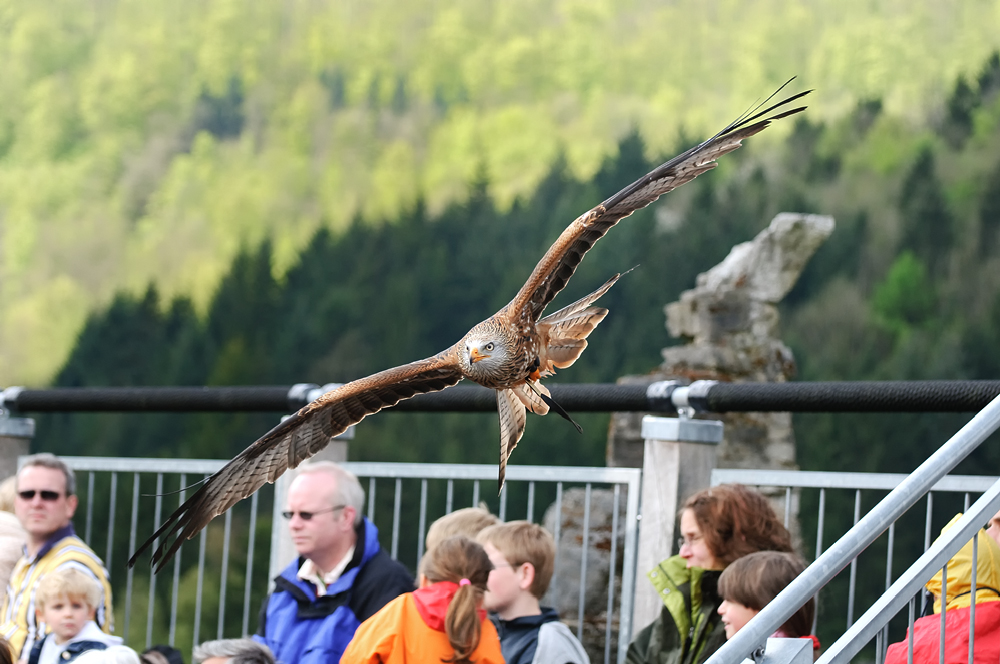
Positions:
{"x": 519, "y": 637}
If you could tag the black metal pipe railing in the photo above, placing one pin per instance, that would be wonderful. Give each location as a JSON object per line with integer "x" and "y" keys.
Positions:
{"x": 661, "y": 397}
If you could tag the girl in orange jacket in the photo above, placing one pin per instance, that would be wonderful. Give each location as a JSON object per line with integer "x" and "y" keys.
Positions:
{"x": 442, "y": 621}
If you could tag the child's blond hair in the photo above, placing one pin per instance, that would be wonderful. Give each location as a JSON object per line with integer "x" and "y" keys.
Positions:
{"x": 467, "y": 521}
{"x": 8, "y": 492}
{"x": 70, "y": 582}
{"x": 524, "y": 542}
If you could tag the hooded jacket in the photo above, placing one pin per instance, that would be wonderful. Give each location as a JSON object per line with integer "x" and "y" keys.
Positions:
{"x": 300, "y": 627}
{"x": 689, "y": 628}
{"x": 410, "y": 629}
{"x": 927, "y": 630}
{"x": 539, "y": 639}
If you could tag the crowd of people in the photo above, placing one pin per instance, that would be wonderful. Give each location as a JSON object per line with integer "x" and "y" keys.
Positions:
{"x": 477, "y": 596}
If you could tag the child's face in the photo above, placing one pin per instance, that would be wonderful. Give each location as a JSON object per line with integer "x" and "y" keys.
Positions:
{"x": 66, "y": 617}
{"x": 505, "y": 584}
{"x": 735, "y": 616}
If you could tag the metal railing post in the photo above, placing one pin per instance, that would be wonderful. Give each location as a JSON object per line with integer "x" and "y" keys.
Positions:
{"x": 282, "y": 549}
{"x": 678, "y": 458}
{"x": 15, "y": 440}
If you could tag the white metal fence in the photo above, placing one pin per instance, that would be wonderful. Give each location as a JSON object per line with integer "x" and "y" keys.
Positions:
{"x": 217, "y": 582}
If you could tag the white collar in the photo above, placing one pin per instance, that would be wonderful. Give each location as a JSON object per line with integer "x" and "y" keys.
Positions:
{"x": 309, "y": 572}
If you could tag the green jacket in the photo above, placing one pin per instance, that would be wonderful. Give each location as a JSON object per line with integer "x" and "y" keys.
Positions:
{"x": 689, "y": 629}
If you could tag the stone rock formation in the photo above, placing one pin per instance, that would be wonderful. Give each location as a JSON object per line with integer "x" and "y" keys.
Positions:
{"x": 730, "y": 320}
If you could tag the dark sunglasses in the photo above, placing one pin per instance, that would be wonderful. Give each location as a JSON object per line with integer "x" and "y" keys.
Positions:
{"x": 308, "y": 515}
{"x": 47, "y": 496}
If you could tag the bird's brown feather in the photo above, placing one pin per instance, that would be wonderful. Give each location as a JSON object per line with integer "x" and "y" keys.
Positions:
{"x": 512, "y": 419}
{"x": 554, "y": 270}
{"x": 296, "y": 439}
{"x": 530, "y": 397}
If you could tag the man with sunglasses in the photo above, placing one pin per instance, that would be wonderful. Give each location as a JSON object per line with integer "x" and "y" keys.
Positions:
{"x": 342, "y": 576}
{"x": 45, "y": 504}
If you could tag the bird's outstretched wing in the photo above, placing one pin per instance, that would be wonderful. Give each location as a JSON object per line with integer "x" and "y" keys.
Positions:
{"x": 296, "y": 439}
{"x": 552, "y": 273}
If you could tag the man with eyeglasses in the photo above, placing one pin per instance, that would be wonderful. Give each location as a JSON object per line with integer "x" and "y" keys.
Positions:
{"x": 45, "y": 503}
{"x": 342, "y": 576}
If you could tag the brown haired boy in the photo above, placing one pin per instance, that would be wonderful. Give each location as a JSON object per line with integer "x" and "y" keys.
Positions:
{"x": 523, "y": 555}
{"x": 65, "y": 601}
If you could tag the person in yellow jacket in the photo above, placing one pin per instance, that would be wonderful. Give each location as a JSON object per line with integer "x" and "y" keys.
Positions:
{"x": 958, "y": 613}
{"x": 45, "y": 503}
{"x": 443, "y": 620}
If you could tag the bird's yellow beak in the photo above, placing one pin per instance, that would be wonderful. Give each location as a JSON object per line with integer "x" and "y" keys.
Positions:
{"x": 475, "y": 356}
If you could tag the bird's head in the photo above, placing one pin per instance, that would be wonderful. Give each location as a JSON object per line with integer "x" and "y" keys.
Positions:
{"x": 484, "y": 351}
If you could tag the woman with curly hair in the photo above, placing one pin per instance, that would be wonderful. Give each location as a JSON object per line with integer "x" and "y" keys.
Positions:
{"x": 717, "y": 526}
{"x": 443, "y": 620}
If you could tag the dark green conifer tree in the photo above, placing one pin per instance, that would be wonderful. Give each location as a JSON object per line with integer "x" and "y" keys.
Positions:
{"x": 927, "y": 223}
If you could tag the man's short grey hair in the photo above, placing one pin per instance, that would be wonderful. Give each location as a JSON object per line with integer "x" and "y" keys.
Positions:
{"x": 46, "y": 460}
{"x": 349, "y": 491}
{"x": 238, "y": 651}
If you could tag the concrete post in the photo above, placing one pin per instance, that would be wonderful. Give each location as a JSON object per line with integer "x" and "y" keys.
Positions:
{"x": 282, "y": 549}
{"x": 679, "y": 455}
{"x": 15, "y": 440}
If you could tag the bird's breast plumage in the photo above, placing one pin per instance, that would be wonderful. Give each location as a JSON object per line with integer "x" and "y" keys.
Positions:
{"x": 518, "y": 345}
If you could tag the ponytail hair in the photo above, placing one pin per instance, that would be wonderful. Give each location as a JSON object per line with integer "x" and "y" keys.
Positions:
{"x": 462, "y": 561}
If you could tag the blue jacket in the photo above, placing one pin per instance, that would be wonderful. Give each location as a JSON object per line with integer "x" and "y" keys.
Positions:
{"x": 300, "y": 628}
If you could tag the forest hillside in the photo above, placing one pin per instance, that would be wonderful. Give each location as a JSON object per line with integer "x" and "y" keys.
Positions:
{"x": 147, "y": 142}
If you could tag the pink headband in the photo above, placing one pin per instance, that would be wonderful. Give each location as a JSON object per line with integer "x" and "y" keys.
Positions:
{"x": 465, "y": 582}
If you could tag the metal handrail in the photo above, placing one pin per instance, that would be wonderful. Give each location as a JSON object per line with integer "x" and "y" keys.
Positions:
{"x": 866, "y": 531}
{"x": 915, "y": 396}
{"x": 900, "y": 593}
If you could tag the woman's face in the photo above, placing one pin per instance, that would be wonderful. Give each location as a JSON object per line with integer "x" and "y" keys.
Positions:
{"x": 694, "y": 548}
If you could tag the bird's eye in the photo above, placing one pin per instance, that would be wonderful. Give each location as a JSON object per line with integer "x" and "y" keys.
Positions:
{"x": 489, "y": 346}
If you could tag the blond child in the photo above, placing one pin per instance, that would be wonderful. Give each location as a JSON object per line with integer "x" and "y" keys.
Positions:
{"x": 523, "y": 556}
{"x": 442, "y": 621}
{"x": 751, "y": 582}
{"x": 467, "y": 521}
{"x": 65, "y": 602}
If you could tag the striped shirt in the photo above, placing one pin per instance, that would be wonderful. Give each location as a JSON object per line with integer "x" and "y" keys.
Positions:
{"x": 63, "y": 550}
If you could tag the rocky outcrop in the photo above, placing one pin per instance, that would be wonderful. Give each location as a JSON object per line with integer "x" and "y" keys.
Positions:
{"x": 730, "y": 320}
